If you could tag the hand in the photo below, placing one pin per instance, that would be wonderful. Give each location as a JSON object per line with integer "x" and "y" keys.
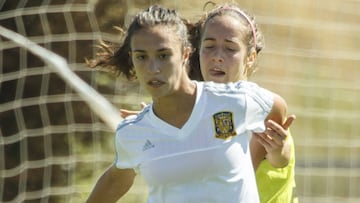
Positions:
{"x": 274, "y": 141}
{"x": 125, "y": 113}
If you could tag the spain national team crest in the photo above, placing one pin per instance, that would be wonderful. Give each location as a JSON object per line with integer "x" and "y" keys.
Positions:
{"x": 224, "y": 125}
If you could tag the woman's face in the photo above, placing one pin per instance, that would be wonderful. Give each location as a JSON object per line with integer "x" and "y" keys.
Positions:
{"x": 158, "y": 60}
{"x": 223, "y": 51}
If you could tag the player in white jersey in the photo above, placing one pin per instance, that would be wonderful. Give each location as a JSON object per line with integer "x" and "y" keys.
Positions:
{"x": 192, "y": 143}
{"x": 207, "y": 160}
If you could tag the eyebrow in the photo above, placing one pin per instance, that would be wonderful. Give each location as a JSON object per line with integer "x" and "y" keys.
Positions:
{"x": 158, "y": 50}
{"x": 209, "y": 38}
{"x": 213, "y": 39}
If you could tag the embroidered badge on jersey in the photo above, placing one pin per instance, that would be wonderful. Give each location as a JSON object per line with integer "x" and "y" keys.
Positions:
{"x": 224, "y": 125}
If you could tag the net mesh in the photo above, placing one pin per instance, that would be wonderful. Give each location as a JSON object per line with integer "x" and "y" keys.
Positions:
{"x": 53, "y": 147}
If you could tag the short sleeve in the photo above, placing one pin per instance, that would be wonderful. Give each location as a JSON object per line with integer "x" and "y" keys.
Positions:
{"x": 122, "y": 158}
{"x": 259, "y": 102}
{"x": 129, "y": 146}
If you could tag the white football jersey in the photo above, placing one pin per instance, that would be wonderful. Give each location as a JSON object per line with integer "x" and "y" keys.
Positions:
{"x": 208, "y": 159}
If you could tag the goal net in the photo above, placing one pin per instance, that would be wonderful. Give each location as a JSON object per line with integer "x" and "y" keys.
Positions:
{"x": 56, "y": 131}
{"x": 54, "y": 145}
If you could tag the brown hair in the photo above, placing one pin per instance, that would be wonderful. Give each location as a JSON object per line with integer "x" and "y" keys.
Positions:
{"x": 253, "y": 35}
{"x": 115, "y": 58}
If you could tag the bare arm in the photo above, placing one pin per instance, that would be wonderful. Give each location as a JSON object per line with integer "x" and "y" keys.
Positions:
{"x": 112, "y": 185}
{"x": 278, "y": 110}
{"x": 272, "y": 144}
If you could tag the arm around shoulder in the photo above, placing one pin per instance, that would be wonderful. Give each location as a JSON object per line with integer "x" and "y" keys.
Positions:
{"x": 262, "y": 145}
{"x": 113, "y": 184}
{"x": 278, "y": 152}
{"x": 278, "y": 110}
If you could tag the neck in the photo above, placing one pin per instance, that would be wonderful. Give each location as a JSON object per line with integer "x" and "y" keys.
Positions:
{"x": 176, "y": 109}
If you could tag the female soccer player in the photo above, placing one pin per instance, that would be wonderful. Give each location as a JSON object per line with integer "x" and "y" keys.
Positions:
{"x": 228, "y": 42}
{"x": 191, "y": 144}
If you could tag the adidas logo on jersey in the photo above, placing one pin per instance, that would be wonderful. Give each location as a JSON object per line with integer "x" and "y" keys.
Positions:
{"x": 148, "y": 145}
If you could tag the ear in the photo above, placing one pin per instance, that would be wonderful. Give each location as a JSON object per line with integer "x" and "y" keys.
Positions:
{"x": 186, "y": 54}
{"x": 250, "y": 64}
{"x": 187, "y": 51}
{"x": 250, "y": 59}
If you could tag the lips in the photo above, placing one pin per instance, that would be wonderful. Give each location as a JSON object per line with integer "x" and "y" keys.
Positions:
{"x": 216, "y": 72}
{"x": 155, "y": 83}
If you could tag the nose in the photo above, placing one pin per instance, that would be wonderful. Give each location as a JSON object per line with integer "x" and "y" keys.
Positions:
{"x": 154, "y": 67}
{"x": 218, "y": 56}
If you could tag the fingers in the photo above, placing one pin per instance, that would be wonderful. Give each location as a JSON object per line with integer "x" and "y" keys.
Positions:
{"x": 277, "y": 137}
{"x": 273, "y": 129}
{"x": 273, "y": 125}
{"x": 143, "y": 105}
{"x": 265, "y": 140}
{"x": 277, "y": 128}
{"x": 271, "y": 143}
{"x": 268, "y": 138}
{"x": 274, "y": 134}
{"x": 273, "y": 139}
{"x": 125, "y": 113}
{"x": 289, "y": 121}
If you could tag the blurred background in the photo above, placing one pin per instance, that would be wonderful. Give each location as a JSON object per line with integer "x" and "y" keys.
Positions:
{"x": 53, "y": 148}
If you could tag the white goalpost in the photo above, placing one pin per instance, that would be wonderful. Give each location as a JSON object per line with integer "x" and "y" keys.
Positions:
{"x": 101, "y": 106}
{"x": 52, "y": 145}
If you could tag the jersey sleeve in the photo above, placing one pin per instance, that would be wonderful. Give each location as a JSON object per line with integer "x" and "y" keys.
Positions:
{"x": 122, "y": 158}
{"x": 259, "y": 102}
{"x": 128, "y": 147}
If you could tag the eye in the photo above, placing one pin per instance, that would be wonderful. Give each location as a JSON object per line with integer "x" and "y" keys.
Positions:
{"x": 140, "y": 57}
{"x": 231, "y": 49}
{"x": 164, "y": 56}
{"x": 208, "y": 44}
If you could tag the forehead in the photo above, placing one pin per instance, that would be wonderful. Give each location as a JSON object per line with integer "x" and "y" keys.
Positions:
{"x": 226, "y": 25}
{"x": 155, "y": 37}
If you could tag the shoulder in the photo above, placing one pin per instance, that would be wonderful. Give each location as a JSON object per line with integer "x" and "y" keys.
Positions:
{"x": 278, "y": 110}
{"x": 133, "y": 119}
{"x": 214, "y": 87}
{"x": 249, "y": 91}
{"x": 232, "y": 87}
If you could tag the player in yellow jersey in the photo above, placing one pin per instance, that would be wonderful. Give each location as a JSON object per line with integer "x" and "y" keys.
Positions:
{"x": 227, "y": 42}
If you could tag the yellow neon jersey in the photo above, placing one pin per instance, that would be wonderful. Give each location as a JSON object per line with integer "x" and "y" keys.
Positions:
{"x": 277, "y": 185}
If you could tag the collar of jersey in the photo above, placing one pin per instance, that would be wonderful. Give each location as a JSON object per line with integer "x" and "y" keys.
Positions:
{"x": 190, "y": 123}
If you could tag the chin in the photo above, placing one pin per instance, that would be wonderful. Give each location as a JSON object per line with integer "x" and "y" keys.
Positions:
{"x": 218, "y": 79}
